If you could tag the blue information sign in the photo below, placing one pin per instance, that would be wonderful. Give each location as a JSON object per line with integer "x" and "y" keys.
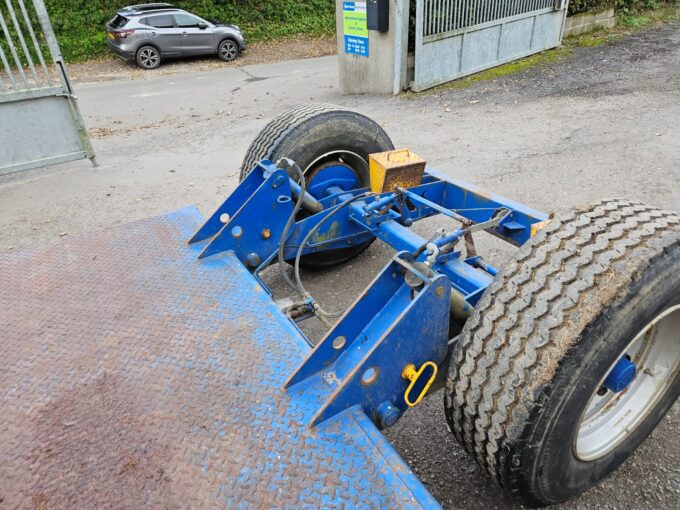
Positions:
{"x": 355, "y": 28}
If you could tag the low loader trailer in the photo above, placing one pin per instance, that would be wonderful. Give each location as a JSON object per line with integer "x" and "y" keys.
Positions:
{"x": 150, "y": 366}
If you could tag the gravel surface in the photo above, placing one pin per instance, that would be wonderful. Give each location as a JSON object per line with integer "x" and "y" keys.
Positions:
{"x": 603, "y": 121}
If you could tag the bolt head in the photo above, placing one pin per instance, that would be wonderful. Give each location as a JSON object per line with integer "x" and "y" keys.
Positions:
{"x": 278, "y": 181}
{"x": 387, "y": 415}
{"x": 253, "y": 260}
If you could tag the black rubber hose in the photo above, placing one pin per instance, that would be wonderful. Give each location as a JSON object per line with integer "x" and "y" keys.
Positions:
{"x": 304, "y": 242}
{"x": 298, "y": 204}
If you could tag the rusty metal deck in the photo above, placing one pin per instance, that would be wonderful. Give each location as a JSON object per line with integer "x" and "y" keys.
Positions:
{"x": 133, "y": 375}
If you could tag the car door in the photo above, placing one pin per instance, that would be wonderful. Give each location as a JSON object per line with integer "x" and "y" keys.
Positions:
{"x": 164, "y": 34}
{"x": 195, "y": 40}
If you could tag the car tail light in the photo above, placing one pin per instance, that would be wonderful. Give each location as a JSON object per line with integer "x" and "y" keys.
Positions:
{"x": 122, "y": 34}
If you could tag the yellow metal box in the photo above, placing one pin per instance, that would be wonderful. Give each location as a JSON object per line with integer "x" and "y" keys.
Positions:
{"x": 392, "y": 169}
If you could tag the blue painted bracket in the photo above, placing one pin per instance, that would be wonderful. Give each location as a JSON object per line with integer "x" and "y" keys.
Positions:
{"x": 391, "y": 325}
{"x": 233, "y": 203}
{"x": 254, "y": 230}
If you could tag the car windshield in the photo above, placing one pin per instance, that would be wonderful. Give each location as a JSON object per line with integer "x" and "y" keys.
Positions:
{"x": 118, "y": 21}
{"x": 216, "y": 21}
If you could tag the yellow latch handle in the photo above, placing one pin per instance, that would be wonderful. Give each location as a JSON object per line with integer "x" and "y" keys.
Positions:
{"x": 411, "y": 374}
{"x": 399, "y": 155}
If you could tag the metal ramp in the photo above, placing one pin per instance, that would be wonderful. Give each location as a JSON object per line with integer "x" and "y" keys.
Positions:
{"x": 135, "y": 375}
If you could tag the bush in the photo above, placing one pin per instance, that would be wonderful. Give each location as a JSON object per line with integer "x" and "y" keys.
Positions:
{"x": 627, "y": 6}
{"x": 579, "y": 6}
{"x": 79, "y": 25}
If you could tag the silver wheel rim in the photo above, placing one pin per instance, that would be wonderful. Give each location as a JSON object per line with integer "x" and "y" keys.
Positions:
{"x": 352, "y": 159}
{"x": 611, "y": 417}
{"x": 148, "y": 57}
{"x": 228, "y": 50}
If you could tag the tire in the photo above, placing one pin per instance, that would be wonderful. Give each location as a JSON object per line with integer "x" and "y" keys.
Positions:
{"x": 304, "y": 134}
{"x": 228, "y": 50}
{"x": 529, "y": 363}
{"x": 148, "y": 57}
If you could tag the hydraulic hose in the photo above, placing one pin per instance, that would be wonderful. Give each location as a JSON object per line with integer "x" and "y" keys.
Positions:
{"x": 320, "y": 312}
{"x": 298, "y": 204}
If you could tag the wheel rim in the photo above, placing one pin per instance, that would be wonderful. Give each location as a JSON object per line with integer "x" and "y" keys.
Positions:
{"x": 342, "y": 158}
{"x": 611, "y": 416}
{"x": 228, "y": 50}
{"x": 148, "y": 57}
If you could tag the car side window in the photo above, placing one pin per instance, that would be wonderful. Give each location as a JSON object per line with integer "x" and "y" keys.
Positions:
{"x": 187, "y": 21}
{"x": 161, "y": 21}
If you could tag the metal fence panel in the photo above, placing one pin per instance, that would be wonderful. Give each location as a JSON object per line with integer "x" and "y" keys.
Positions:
{"x": 40, "y": 123}
{"x": 455, "y": 38}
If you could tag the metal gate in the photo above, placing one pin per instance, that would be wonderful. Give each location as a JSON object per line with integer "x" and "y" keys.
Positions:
{"x": 40, "y": 123}
{"x": 455, "y": 38}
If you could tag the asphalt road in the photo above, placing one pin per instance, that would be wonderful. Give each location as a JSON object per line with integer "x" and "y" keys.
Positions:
{"x": 603, "y": 122}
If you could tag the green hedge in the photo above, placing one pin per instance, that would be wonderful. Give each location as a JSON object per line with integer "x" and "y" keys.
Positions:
{"x": 578, "y": 6}
{"x": 79, "y": 24}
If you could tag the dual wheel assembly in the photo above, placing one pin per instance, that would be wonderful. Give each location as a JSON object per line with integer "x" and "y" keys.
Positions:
{"x": 572, "y": 356}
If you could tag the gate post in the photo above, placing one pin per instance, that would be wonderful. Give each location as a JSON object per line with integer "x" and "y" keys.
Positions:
{"x": 370, "y": 61}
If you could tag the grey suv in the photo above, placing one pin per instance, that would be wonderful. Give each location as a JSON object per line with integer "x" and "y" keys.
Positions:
{"x": 148, "y": 33}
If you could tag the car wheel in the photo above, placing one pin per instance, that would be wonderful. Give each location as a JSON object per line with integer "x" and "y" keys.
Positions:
{"x": 228, "y": 50}
{"x": 148, "y": 57}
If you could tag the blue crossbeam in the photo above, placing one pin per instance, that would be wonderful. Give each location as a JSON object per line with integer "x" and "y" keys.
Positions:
{"x": 251, "y": 222}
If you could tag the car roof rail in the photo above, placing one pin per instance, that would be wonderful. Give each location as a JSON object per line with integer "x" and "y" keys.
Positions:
{"x": 140, "y": 8}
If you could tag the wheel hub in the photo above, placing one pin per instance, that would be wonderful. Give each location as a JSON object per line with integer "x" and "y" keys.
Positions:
{"x": 632, "y": 387}
{"x": 331, "y": 178}
{"x": 621, "y": 375}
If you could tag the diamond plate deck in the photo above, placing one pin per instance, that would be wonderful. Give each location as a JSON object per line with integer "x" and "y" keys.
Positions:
{"x": 134, "y": 375}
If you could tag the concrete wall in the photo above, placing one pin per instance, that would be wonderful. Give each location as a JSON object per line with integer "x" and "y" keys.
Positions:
{"x": 589, "y": 21}
{"x": 384, "y": 70}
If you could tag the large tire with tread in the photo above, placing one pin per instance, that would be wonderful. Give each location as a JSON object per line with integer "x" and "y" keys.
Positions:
{"x": 545, "y": 335}
{"x": 306, "y": 133}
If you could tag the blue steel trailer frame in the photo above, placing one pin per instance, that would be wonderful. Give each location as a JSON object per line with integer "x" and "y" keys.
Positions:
{"x": 388, "y": 349}
{"x": 171, "y": 378}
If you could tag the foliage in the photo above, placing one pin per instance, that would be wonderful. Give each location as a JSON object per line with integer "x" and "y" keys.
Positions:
{"x": 79, "y": 24}
{"x": 625, "y": 7}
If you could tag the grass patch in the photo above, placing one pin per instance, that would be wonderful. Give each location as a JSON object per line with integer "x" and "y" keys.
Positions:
{"x": 594, "y": 39}
{"x": 636, "y": 21}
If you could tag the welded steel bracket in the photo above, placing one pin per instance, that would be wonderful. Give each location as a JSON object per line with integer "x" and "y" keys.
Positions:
{"x": 250, "y": 223}
{"x": 233, "y": 203}
{"x": 391, "y": 325}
